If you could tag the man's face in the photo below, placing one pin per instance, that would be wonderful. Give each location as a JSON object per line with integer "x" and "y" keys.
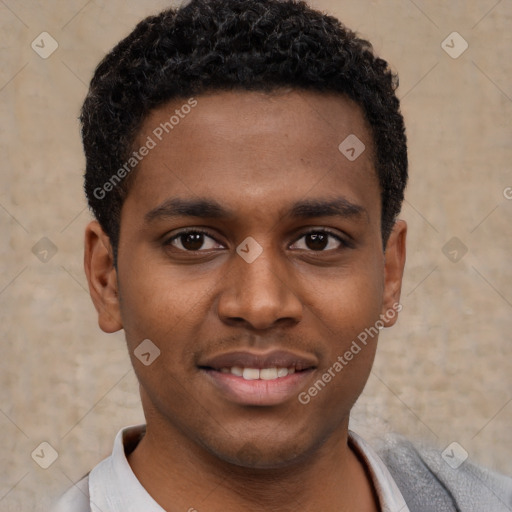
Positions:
{"x": 269, "y": 165}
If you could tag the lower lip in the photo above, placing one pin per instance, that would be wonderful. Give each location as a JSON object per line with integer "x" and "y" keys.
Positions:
{"x": 258, "y": 391}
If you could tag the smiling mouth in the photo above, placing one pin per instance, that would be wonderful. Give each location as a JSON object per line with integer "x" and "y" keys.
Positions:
{"x": 254, "y": 378}
{"x": 273, "y": 373}
{"x": 258, "y": 386}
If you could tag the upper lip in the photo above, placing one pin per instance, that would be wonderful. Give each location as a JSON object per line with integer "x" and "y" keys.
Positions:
{"x": 273, "y": 359}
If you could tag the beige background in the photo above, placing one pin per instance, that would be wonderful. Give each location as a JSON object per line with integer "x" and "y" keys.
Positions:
{"x": 443, "y": 373}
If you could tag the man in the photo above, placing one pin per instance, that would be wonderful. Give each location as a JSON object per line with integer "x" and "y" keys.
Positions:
{"x": 246, "y": 163}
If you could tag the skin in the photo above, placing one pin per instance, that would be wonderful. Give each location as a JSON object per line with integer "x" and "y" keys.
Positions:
{"x": 256, "y": 154}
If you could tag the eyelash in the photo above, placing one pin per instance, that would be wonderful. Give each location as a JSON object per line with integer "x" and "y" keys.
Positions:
{"x": 344, "y": 243}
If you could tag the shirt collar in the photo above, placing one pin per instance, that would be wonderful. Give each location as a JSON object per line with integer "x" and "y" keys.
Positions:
{"x": 390, "y": 497}
{"x": 113, "y": 486}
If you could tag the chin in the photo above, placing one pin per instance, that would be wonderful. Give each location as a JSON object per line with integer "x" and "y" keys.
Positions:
{"x": 262, "y": 454}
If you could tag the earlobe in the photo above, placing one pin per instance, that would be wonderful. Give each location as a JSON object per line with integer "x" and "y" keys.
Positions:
{"x": 394, "y": 269}
{"x": 102, "y": 277}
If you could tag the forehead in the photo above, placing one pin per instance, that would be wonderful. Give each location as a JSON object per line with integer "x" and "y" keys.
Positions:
{"x": 256, "y": 148}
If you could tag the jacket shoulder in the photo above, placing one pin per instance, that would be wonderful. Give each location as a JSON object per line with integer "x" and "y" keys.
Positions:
{"x": 430, "y": 482}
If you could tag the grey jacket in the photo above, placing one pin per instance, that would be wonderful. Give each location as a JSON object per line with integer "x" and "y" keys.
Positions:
{"x": 429, "y": 484}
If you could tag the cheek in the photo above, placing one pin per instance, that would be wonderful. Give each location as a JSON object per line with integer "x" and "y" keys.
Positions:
{"x": 159, "y": 307}
{"x": 348, "y": 299}
{"x": 352, "y": 330}
{"x": 347, "y": 313}
{"x": 156, "y": 301}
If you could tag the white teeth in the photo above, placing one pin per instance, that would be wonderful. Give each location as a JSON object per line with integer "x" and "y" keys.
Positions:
{"x": 236, "y": 370}
{"x": 268, "y": 373}
{"x": 282, "y": 372}
{"x": 251, "y": 374}
{"x": 256, "y": 373}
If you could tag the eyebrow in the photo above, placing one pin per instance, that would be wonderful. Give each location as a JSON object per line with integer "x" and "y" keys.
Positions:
{"x": 337, "y": 207}
{"x": 211, "y": 209}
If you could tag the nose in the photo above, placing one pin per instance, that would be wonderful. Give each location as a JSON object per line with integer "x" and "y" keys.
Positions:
{"x": 259, "y": 294}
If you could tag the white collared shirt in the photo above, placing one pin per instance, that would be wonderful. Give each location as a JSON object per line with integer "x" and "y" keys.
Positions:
{"x": 113, "y": 487}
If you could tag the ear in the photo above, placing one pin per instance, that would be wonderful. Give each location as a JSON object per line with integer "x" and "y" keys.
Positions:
{"x": 394, "y": 262}
{"x": 102, "y": 277}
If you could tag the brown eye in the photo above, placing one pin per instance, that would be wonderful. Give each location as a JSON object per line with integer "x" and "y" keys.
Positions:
{"x": 320, "y": 241}
{"x": 192, "y": 240}
{"x": 317, "y": 241}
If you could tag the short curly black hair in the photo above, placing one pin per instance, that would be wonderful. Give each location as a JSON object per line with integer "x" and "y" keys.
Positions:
{"x": 219, "y": 45}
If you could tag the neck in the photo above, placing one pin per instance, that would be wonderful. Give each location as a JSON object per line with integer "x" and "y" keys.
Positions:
{"x": 181, "y": 475}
